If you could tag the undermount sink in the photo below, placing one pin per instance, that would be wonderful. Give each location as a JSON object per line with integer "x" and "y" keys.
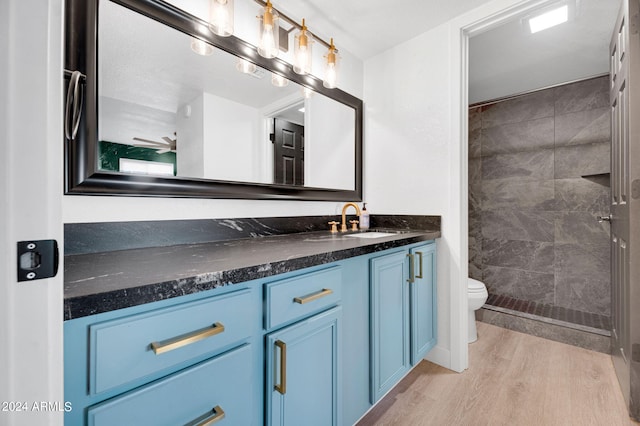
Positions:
{"x": 371, "y": 234}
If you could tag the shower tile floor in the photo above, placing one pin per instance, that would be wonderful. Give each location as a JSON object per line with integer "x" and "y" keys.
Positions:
{"x": 584, "y": 321}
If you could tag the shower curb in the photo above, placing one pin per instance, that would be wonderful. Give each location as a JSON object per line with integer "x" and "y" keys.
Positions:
{"x": 546, "y": 328}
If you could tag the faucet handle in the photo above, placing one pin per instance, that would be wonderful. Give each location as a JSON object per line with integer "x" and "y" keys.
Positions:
{"x": 334, "y": 226}
{"x": 354, "y": 225}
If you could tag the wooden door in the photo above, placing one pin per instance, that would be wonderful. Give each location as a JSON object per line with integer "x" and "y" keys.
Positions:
{"x": 288, "y": 150}
{"x": 625, "y": 203}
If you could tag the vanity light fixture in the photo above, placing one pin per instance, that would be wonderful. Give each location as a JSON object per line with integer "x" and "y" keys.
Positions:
{"x": 269, "y": 44}
{"x": 245, "y": 66}
{"x": 302, "y": 48}
{"x": 201, "y": 47}
{"x": 221, "y": 17}
{"x": 331, "y": 68}
{"x": 302, "y": 51}
{"x": 278, "y": 80}
{"x": 549, "y": 19}
{"x": 307, "y": 93}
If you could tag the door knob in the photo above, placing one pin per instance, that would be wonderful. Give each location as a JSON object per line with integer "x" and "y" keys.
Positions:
{"x": 604, "y": 218}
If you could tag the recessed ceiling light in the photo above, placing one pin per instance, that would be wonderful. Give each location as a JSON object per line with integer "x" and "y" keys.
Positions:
{"x": 301, "y": 109}
{"x": 549, "y": 19}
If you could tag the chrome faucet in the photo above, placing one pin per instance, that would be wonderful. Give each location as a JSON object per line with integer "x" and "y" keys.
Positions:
{"x": 343, "y": 227}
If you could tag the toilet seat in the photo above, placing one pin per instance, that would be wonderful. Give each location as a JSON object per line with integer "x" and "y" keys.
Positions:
{"x": 475, "y": 286}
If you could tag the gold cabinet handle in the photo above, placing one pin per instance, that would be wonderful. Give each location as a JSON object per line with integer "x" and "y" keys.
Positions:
{"x": 214, "y": 416}
{"x": 186, "y": 339}
{"x": 419, "y": 253}
{"x": 282, "y": 387}
{"x": 411, "y": 272}
{"x": 313, "y": 296}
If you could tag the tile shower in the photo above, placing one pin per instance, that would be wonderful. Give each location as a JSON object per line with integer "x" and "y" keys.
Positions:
{"x": 538, "y": 177}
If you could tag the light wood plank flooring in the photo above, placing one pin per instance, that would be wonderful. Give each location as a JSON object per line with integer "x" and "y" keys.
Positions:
{"x": 513, "y": 379}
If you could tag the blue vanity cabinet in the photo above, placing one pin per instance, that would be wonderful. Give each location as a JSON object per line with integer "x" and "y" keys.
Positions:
{"x": 317, "y": 346}
{"x": 403, "y": 314}
{"x": 197, "y": 357}
{"x": 303, "y": 359}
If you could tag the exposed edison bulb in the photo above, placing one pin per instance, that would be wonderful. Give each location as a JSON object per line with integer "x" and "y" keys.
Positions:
{"x": 245, "y": 66}
{"x": 201, "y": 47}
{"x": 330, "y": 77}
{"x": 278, "y": 80}
{"x": 302, "y": 60}
{"x": 302, "y": 51}
{"x": 269, "y": 44}
{"x": 331, "y": 68}
{"x": 221, "y": 17}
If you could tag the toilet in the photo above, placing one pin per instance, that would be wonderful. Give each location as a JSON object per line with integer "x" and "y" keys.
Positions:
{"x": 478, "y": 294}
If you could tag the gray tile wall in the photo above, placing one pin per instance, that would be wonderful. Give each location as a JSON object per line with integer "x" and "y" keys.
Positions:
{"x": 532, "y": 228}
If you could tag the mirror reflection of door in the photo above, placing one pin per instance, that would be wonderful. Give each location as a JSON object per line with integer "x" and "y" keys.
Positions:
{"x": 288, "y": 151}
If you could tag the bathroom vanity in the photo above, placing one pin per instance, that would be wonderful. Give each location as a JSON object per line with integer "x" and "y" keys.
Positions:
{"x": 306, "y": 328}
{"x": 298, "y": 328}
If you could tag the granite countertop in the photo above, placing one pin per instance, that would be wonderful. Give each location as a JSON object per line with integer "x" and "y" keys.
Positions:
{"x": 102, "y": 282}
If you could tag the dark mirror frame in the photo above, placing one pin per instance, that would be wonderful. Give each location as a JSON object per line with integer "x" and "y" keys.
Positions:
{"x": 81, "y": 174}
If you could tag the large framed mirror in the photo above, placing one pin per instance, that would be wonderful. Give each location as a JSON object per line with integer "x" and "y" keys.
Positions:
{"x": 158, "y": 119}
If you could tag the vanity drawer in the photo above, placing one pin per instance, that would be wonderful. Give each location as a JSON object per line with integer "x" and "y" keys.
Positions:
{"x": 211, "y": 388}
{"x": 131, "y": 348}
{"x": 298, "y": 297}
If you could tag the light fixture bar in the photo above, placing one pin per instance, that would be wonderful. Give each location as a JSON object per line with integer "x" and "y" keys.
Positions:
{"x": 295, "y": 24}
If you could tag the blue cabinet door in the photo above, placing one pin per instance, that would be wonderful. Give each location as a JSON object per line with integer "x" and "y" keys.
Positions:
{"x": 389, "y": 322}
{"x": 303, "y": 372}
{"x": 423, "y": 302}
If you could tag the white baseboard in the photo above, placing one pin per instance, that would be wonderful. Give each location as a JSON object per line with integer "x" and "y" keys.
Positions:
{"x": 439, "y": 355}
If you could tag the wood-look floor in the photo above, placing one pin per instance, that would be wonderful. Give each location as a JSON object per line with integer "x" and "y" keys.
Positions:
{"x": 513, "y": 379}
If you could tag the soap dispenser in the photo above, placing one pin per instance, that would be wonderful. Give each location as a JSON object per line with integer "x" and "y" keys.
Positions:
{"x": 364, "y": 218}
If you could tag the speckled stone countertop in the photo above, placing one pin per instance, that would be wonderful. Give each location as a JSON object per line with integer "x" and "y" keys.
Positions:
{"x": 102, "y": 282}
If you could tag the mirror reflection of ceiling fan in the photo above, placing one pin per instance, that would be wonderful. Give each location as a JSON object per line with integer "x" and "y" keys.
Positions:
{"x": 165, "y": 145}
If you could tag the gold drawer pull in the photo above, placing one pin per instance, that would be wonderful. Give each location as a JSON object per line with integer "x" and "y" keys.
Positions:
{"x": 412, "y": 276}
{"x": 186, "y": 339}
{"x": 214, "y": 416}
{"x": 311, "y": 297}
{"x": 419, "y": 253}
{"x": 282, "y": 387}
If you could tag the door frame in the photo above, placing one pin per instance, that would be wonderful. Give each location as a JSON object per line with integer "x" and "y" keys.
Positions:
{"x": 31, "y": 312}
{"x": 462, "y": 28}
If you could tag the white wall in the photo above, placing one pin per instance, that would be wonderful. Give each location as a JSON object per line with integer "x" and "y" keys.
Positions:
{"x": 232, "y": 132}
{"x": 220, "y": 139}
{"x": 190, "y": 127}
{"x": 328, "y": 147}
{"x": 30, "y": 205}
